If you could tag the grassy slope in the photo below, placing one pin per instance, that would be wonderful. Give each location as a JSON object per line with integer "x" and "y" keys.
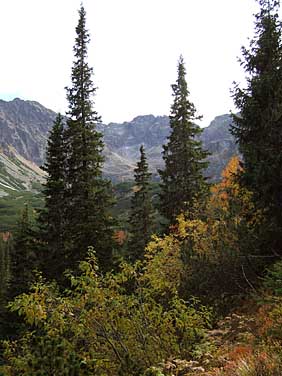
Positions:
{"x": 20, "y": 184}
{"x": 12, "y": 205}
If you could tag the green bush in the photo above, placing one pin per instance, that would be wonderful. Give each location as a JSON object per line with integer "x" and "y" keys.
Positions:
{"x": 102, "y": 327}
{"x": 273, "y": 278}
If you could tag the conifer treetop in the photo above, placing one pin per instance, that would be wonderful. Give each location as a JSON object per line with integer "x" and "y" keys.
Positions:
{"x": 80, "y": 95}
{"x": 185, "y": 160}
{"x": 181, "y": 94}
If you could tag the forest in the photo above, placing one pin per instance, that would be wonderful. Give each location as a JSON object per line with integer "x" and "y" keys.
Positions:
{"x": 191, "y": 284}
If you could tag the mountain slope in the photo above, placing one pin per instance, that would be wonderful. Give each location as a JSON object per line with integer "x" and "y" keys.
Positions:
{"x": 18, "y": 174}
{"x": 20, "y": 184}
{"x": 24, "y": 125}
{"x": 152, "y": 131}
{"x": 218, "y": 140}
{"x": 124, "y": 140}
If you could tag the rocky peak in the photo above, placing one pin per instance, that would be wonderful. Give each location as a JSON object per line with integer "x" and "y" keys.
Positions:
{"x": 25, "y": 126}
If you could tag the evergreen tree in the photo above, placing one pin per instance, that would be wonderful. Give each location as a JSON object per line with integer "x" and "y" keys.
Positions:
{"x": 8, "y": 320}
{"x": 23, "y": 256}
{"x": 88, "y": 196}
{"x": 258, "y": 128}
{"x": 4, "y": 268}
{"x": 5, "y": 262}
{"x": 52, "y": 217}
{"x": 141, "y": 215}
{"x": 182, "y": 178}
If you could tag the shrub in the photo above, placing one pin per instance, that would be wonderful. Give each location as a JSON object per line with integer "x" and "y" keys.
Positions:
{"x": 100, "y": 328}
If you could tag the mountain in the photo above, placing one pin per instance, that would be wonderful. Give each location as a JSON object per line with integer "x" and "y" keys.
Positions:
{"x": 24, "y": 128}
{"x": 124, "y": 140}
{"x": 20, "y": 183}
{"x": 218, "y": 140}
{"x": 152, "y": 131}
{"x": 18, "y": 174}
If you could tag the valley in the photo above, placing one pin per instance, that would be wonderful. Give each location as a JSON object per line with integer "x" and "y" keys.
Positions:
{"x": 24, "y": 129}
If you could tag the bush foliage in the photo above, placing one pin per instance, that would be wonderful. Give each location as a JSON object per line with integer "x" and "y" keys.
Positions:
{"x": 100, "y": 328}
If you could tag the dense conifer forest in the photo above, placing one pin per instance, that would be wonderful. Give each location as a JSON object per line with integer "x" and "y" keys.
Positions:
{"x": 189, "y": 283}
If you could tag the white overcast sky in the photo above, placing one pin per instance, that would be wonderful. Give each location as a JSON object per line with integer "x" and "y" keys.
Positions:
{"x": 135, "y": 45}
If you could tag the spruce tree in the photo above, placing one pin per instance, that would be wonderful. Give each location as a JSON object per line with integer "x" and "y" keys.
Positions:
{"x": 23, "y": 257}
{"x": 5, "y": 263}
{"x": 52, "y": 217}
{"x": 258, "y": 127}
{"x": 88, "y": 196}
{"x": 141, "y": 215}
{"x": 182, "y": 179}
{"x": 23, "y": 261}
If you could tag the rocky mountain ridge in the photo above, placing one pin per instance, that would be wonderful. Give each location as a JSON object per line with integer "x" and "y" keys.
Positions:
{"x": 152, "y": 131}
{"x": 24, "y": 126}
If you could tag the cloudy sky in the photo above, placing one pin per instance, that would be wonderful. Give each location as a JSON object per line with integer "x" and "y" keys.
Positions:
{"x": 135, "y": 45}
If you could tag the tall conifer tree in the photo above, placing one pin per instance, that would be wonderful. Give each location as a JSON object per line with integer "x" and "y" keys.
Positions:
{"x": 258, "y": 128}
{"x": 88, "y": 195}
{"x": 52, "y": 217}
{"x": 182, "y": 179}
{"x": 141, "y": 216}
